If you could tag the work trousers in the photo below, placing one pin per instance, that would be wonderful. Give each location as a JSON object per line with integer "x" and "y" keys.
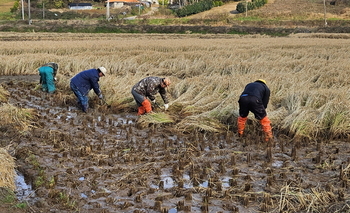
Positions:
{"x": 253, "y": 104}
{"x": 83, "y": 100}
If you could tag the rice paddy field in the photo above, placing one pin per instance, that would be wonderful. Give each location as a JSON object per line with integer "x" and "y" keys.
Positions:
{"x": 186, "y": 159}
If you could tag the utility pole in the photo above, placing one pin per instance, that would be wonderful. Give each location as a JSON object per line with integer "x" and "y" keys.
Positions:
{"x": 107, "y": 13}
{"x": 325, "y": 12}
{"x": 246, "y": 8}
{"x": 43, "y": 10}
{"x": 29, "y": 18}
{"x": 22, "y": 9}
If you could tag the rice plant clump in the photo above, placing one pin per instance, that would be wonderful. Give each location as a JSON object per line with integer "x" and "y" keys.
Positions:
{"x": 154, "y": 118}
{"x": 17, "y": 118}
{"x": 4, "y": 94}
{"x": 7, "y": 171}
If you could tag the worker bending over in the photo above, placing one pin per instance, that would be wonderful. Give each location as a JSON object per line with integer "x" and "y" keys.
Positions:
{"x": 47, "y": 74}
{"x": 255, "y": 98}
{"x": 83, "y": 82}
{"x": 148, "y": 88}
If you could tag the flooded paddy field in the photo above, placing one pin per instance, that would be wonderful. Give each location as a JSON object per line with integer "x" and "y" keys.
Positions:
{"x": 103, "y": 161}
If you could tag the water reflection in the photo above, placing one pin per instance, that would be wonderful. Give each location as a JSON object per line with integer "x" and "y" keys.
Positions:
{"x": 23, "y": 190}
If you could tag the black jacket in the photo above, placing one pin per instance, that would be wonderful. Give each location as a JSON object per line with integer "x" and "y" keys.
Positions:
{"x": 259, "y": 90}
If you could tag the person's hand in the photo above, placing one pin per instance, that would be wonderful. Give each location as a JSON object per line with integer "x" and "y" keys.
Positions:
{"x": 166, "y": 106}
{"x": 100, "y": 96}
{"x": 55, "y": 79}
{"x": 154, "y": 101}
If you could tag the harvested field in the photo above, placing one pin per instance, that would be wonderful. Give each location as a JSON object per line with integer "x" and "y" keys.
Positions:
{"x": 110, "y": 161}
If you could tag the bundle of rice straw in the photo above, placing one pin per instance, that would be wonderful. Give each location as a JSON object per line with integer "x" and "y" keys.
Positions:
{"x": 7, "y": 170}
{"x": 154, "y": 118}
{"x": 4, "y": 95}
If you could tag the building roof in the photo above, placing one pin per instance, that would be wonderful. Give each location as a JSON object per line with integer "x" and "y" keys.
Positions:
{"x": 80, "y": 4}
{"x": 126, "y": 1}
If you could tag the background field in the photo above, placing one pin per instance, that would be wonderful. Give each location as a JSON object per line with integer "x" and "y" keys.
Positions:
{"x": 283, "y": 16}
{"x": 5, "y": 5}
{"x": 307, "y": 74}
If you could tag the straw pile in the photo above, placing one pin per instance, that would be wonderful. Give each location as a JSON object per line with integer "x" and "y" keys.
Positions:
{"x": 154, "y": 118}
{"x": 4, "y": 94}
{"x": 7, "y": 171}
{"x": 18, "y": 118}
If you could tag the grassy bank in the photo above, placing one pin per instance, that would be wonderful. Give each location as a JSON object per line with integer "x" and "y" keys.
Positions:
{"x": 281, "y": 28}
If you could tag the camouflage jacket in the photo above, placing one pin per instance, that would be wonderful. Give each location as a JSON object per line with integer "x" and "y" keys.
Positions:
{"x": 149, "y": 87}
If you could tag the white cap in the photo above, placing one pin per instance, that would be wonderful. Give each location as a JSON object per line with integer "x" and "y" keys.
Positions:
{"x": 103, "y": 70}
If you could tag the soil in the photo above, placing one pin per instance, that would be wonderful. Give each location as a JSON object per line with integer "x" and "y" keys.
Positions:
{"x": 102, "y": 161}
{"x": 228, "y": 9}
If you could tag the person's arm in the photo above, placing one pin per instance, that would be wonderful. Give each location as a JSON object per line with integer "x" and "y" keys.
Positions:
{"x": 95, "y": 85}
{"x": 41, "y": 79}
{"x": 164, "y": 96}
{"x": 266, "y": 97}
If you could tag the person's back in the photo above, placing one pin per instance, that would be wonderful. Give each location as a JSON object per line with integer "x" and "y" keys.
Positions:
{"x": 83, "y": 82}
{"x": 149, "y": 86}
{"x": 259, "y": 90}
{"x": 86, "y": 80}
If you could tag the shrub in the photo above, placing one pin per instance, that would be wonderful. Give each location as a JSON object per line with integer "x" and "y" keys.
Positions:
{"x": 241, "y": 7}
{"x": 194, "y": 8}
{"x": 217, "y": 3}
{"x": 15, "y": 7}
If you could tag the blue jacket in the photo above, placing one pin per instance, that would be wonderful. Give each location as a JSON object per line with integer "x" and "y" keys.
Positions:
{"x": 87, "y": 80}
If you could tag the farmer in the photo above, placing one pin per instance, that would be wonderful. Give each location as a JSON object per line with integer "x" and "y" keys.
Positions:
{"x": 148, "y": 88}
{"x": 83, "y": 82}
{"x": 47, "y": 74}
{"x": 255, "y": 98}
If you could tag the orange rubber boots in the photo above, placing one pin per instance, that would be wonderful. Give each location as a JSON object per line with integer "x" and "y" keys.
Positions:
{"x": 241, "y": 125}
{"x": 266, "y": 126}
{"x": 145, "y": 108}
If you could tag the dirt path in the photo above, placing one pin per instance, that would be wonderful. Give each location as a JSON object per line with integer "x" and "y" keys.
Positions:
{"x": 226, "y": 9}
{"x": 229, "y": 9}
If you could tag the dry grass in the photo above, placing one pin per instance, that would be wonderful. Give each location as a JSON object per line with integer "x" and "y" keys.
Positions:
{"x": 7, "y": 170}
{"x": 307, "y": 73}
{"x": 300, "y": 9}
{"x": 294, "y": 199}
{"x": 4, "y": 94}
{"x": 17, "y": 118}
{"x": 154, "y": 118}
{"x": 6, "y": 5}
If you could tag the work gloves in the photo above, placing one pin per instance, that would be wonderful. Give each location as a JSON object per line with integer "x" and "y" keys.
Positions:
{"x": 100, "y": 96}
{"x": 166, "y": 106}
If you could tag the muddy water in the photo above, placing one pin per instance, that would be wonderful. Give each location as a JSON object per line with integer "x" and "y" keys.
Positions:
{"x": 102, "y": 162}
